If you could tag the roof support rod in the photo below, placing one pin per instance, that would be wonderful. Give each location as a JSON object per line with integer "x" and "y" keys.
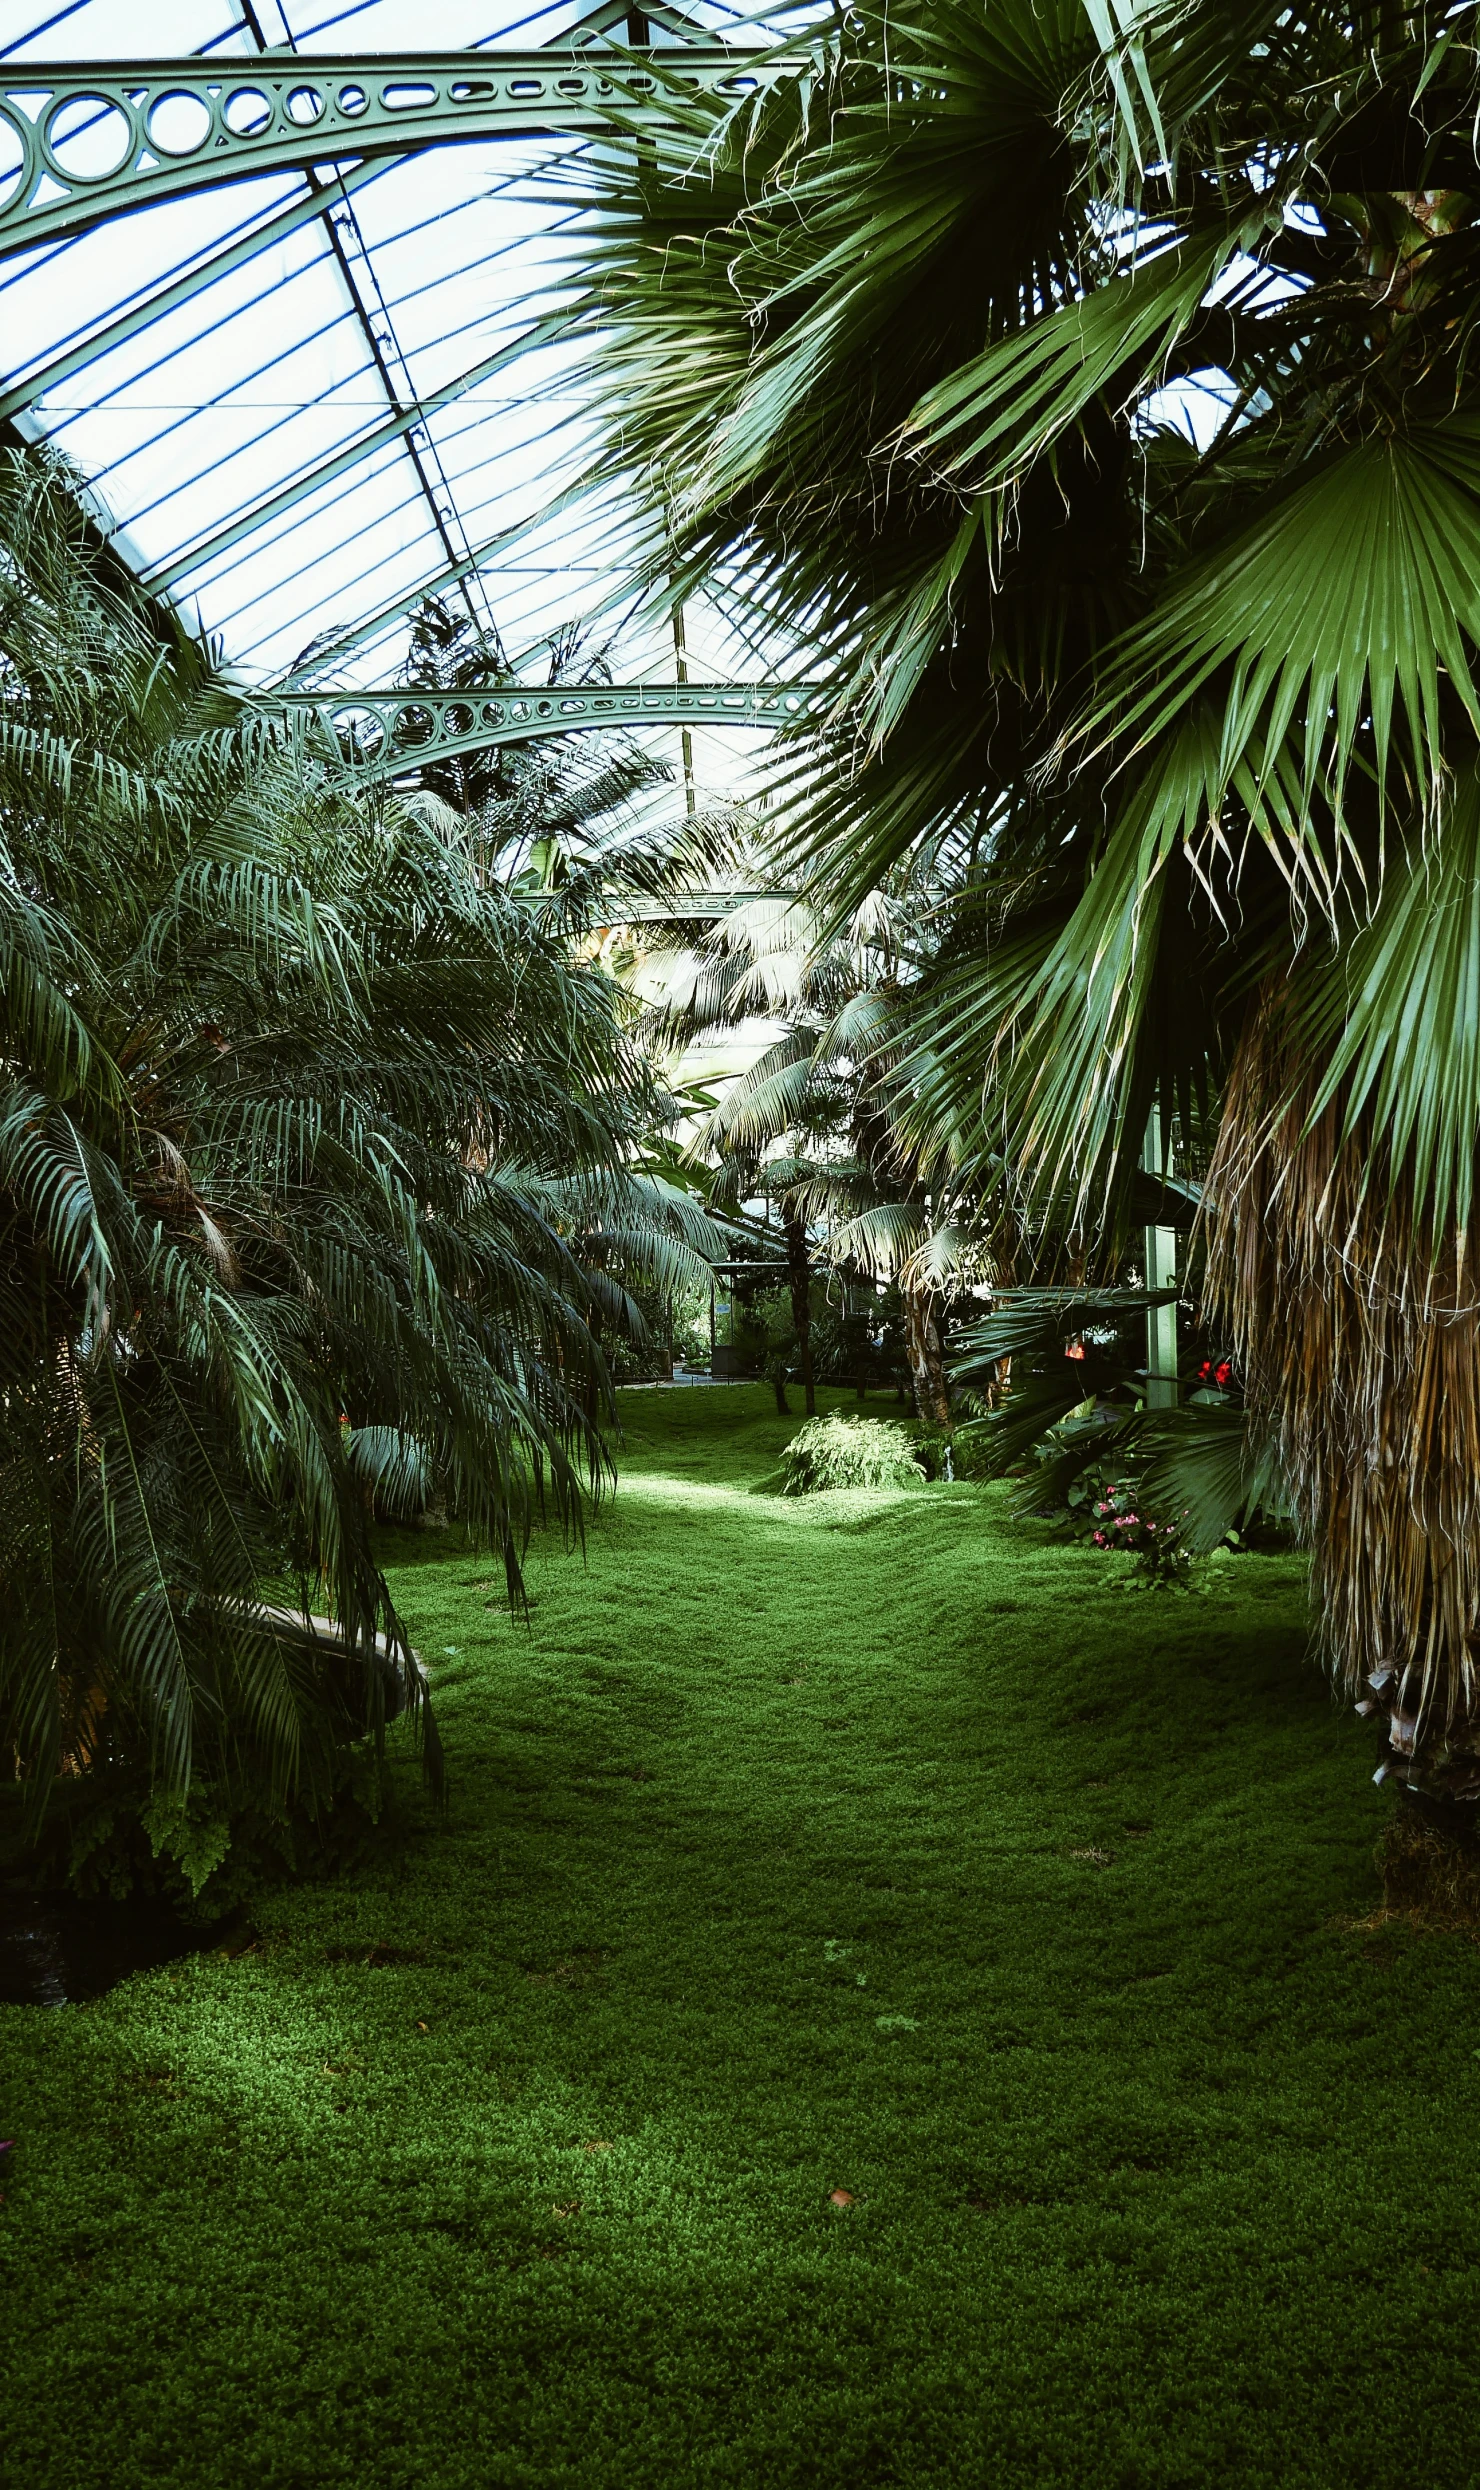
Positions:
{"x": 262, "y": 513}
{"x": 335, "y": 645}
{"x": 337, "y": 213}
{"x": 92, "y": 140}
{"x": 380, "y": 350}
{"x": 185, "y": 289}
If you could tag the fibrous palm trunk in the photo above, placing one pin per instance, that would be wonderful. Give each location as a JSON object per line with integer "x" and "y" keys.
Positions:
{"x": 926, "y": 1352}
{"x": 1358, "y": 1331}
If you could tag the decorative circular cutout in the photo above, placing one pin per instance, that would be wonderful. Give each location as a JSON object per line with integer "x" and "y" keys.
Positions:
{"x": 179, "y": 124}
{"x": 89, "y": 137}
{"x": 248, "y": 112}
{"x": 353, "y": 101}
{"x": 305, "y": 106}
{"x": 360, "y": 732}
{"x": 413, "y": 726}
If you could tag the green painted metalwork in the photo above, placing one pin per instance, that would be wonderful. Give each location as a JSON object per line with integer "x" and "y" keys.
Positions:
{"x": 388, "y": 734}
{"x": 142, "y": 315}
{"x": 336, "y": 646}
{"x": 681, "y": 907}
{"x": 328, "y": 472}
{"x": 80, "y": 142}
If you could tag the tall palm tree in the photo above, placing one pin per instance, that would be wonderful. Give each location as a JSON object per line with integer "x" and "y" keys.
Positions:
{"x": 1092, "y": 390}
{"x": 291, "y": 1100}
{"x": 531, "y": 807}
{"x": 815, "y": 1121}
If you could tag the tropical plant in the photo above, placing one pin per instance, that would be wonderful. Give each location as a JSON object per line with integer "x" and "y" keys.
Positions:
{"x": 1119, "y": 1522}
{"x": 810, "y": 1125}
{"x": 1092, "y": 391}
{"x": 294, "y": 1104}
{"x": 558, "y": 826}
{"x": 848, "y": 1452}
{"x": 858, "y": 1338}
{"x": 675, "y": 1325}
{"x": 746, "y": 961}
{"x": 537, "y": 812}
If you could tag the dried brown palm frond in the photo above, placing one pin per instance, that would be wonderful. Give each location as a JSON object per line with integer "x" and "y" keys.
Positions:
{"x": 1357, "y": 1324}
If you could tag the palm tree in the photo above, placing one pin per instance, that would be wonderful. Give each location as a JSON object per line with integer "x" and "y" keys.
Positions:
{"x": 534, "y": 808}
{"x": 1092, "y": 391}
{"x": 292, "y": 1102}
{"x": 559, "y": 825}
{"x": 814, "y": 1124}
{"x": 759, "y": 959}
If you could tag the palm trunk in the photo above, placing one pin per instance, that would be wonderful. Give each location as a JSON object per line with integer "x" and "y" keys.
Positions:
{"x": 799, "y": 1272}
{"x": 996, "y": 1386}
{"x": 1358, "y": 1333}
{"x": 593, "y": 1369}
{"x": 926, "y": 1353}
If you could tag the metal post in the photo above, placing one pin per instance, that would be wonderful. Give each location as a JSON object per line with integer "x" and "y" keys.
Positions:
{"x": 680, "y": 651}
{"x": 1161, "y": 1272}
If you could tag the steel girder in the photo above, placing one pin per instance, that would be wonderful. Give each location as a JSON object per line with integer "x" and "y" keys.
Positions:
{"x": 388, "y": 734}
{"x": 80, "y": 142}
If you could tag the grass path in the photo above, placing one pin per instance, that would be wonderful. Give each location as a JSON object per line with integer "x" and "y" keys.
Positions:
{"x": 871, "y": 1843}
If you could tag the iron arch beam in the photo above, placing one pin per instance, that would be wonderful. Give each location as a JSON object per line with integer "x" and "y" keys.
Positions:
{"x": 387, "y": 734}
{"x": 81, "y": 142}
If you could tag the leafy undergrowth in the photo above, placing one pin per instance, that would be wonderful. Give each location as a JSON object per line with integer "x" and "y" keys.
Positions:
{"x": 882, "y": 2008}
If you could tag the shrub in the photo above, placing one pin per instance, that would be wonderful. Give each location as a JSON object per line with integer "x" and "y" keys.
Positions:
{"x": 316, "y": 1174}
{"x": 848, "y": 1452}
{"x": 1120, "y": 1523}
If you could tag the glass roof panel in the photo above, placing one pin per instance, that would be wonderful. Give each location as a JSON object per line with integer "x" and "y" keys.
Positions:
{"x": 98, "y": 30}
{"x": 264, "y": 445}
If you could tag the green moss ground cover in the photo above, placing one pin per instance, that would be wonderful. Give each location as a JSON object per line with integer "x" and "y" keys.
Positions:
{"x": 873, "y": 1842}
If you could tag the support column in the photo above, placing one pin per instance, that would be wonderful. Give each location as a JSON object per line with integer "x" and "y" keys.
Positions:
{"x": 1161, "y": 1272}
{"x": 681, "y": 668}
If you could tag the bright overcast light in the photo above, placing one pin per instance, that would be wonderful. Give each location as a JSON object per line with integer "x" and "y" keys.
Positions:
{"x": 416, "y": 273}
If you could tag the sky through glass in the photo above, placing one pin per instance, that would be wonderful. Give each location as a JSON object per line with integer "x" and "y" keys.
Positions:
{"x": 201, "y": 359}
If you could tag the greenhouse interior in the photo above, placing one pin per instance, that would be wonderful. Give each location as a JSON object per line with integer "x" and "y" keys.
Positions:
{"x": 740, "y": 1485}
